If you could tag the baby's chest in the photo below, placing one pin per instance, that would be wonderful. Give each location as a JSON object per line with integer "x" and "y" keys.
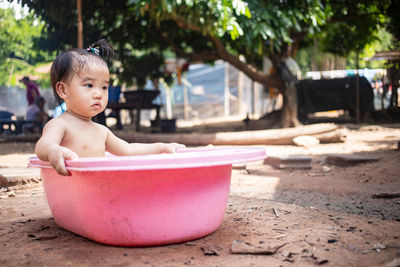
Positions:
{"x": 89, "y": 143}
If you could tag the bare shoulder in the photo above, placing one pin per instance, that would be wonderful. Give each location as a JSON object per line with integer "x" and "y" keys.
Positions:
{"x": 101, "y": 128}
{"x": 58, "y": 123}
{"x": 53, "y": 131}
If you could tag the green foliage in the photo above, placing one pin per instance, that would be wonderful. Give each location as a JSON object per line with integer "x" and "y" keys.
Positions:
{"x": 149, "y": 68}
{"x": 216, "y": 17}
{"x": 240, "y": 32}
{"x": 250, "y": 28}
{"x": 19, "y": 51}
{"x": 393, "y": 24}
{"x": 383, "y": 42}
{"x": 276, "y": 25}
{"x": 142, "y": 31}
{"x": 353, "y": 24}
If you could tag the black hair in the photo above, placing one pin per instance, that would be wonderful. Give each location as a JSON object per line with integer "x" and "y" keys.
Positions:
{"x": 74, "y": 60}
{"x": 40, "y": 99}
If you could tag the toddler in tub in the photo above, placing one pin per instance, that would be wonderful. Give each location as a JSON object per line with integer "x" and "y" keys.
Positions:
{"x": 80, "y": 78}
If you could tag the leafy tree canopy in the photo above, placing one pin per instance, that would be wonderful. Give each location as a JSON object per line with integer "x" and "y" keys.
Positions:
{"x": 240, "y": 32}
{"x": 19, "y": 49}
{"x": 353, "y": 24}
{"x": 198, "y": 30}
{"x": 207, "y": 30}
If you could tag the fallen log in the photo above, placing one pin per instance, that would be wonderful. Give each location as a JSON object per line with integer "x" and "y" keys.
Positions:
{"x": 336, "y": 136}
{"x": 282, "y": 136}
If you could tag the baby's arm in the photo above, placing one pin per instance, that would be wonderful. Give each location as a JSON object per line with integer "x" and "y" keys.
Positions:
{"x": 120, "y": 147}
{"x": 48, "y": 147}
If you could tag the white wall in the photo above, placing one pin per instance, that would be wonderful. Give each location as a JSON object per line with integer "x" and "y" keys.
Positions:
{"x": 13, "y": 99}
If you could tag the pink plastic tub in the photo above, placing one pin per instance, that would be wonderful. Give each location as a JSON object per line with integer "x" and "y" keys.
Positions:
{"x": 144, "y": 200}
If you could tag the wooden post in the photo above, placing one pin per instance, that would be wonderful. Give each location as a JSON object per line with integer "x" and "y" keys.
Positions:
{"x": 185, "y": 102}
{"x": 357, "y": 88}
{"x": 256, "y": 99}
{"x": 252, "y": 111}
{"x": 226, "y": 91}
{"x": 168, "y": 100}
{"x": 80, "y": 25}
{"x": 240, "y": 93}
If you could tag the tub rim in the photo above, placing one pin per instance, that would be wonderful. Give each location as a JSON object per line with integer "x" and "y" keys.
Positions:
{"x": 184, "y": 158}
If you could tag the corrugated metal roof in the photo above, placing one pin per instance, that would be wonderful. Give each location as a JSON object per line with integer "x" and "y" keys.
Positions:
{"x": 386, "y": 55}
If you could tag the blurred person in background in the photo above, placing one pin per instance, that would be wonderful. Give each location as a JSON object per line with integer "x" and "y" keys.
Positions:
{"x": 32, "y": 90}
{"x": 35, "y": 112}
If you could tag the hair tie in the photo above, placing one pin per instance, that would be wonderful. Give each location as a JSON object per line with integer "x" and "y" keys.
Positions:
{"x": 93, "y": 50}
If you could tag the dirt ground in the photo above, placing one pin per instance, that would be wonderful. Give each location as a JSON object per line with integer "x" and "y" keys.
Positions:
{"x": 321, "y": 216}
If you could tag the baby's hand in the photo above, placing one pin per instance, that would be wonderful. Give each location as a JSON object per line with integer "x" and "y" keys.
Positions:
{"x": 57, "y": 159}
{"x": 171, "y": 147}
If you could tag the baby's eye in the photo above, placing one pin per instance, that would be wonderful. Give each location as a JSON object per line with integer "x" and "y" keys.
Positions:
{"x": 105, "y": 88}
{"x": 89, "y": 85}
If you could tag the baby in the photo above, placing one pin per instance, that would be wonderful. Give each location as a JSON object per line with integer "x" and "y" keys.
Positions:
{"x": 80, "y": 78}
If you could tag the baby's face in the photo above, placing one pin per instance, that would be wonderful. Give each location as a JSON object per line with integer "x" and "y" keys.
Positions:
{"x": 87, "y": 92}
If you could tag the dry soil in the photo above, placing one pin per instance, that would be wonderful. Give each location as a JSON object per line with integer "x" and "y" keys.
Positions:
{"x": 321, "y": 216}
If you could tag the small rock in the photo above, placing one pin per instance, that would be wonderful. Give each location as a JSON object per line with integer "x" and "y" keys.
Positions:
{"x": 323, "y": 261}
{"x": 326, "y": 169}
{"x": 285, "y": 253}
{"x": 379, "y": 247}
{"x": 351, "y": 229}
{"x": 209, "y": 250}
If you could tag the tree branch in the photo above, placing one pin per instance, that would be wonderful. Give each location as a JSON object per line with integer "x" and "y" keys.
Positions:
{"x": 221, "y": 53}
{"x": 252, "y": 72}
{"x": 183, "y": 24}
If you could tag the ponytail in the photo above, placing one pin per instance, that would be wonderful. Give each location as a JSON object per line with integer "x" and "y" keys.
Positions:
{"x": 102, "y": 49}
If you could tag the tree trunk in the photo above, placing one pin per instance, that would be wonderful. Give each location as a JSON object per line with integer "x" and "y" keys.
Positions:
{"x": 289, "y": 114}
{"x": 395, "y": 84}
{"x": 80, "y": 24}
{"x": 357, "y": 87}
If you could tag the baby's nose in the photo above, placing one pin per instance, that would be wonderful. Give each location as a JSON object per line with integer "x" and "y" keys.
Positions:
{"x": 97, "y": 93}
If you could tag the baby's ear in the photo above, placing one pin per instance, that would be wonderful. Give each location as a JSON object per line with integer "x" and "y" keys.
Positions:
{"x": 61, "y": 90}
